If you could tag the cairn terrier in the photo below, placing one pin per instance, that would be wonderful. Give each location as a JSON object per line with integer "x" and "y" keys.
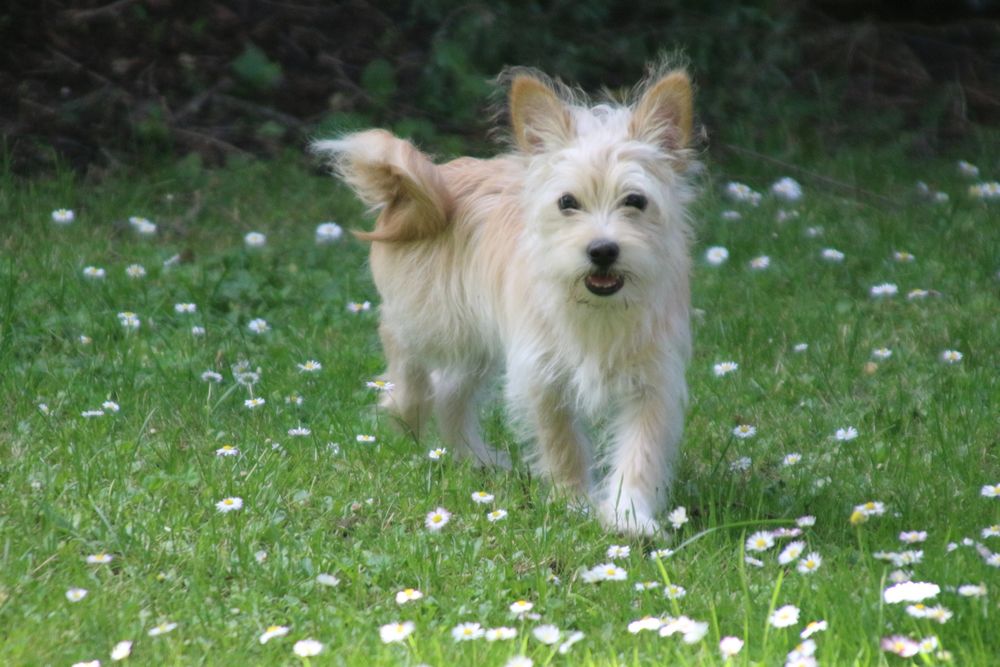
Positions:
{"x": 562, "y": 263}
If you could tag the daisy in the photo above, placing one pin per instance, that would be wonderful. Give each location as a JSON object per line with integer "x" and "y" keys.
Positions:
{"x": 904, "y": 647}
{"x": 110, "y": 406}
{"x": 162, "y": 629}
{"x": 255, "y": 240}
{"x": 646, "y": 585}
{"x": 519, "y": 661}
{"x": 88, "y": 414}
{"x": 990, "y": 491}
{"x": 972, "y": 590}
{"x": 307, "y": 648}
{"x": 142, "y": 225}
{"x": 135, "y": 271}
{"x": 964, "y": 168}
{"x": 814, "y": 232}
{"x": 482, "y": 497}
{"x": 903, "y": 256}
{"x": 464, "y": 632}
{"x": 674, "y": 592}
{"x": 227, "y": 450}
{"x": 985, "y": 191}
{"x": 408, "y": 595}
{"x": 547, "y": 634}
{"x": 299, "y": 431}
{"x": 310, "y": 366}
{"x": 63, "y": 216}
{"x": 845, "y": 434}
{"x": 742, "y": 193}
{"x": 716, "y": 255}
{"x": 521, "y": 607}
{"x": 365, "y": 438}
{"x": 939, "y": 614}
{"x": 122, "y": 650}
{"x": 729, "y": 647}
{"x": 380, "y": 385}
{"x": 328, "y": 232}
{"x": 211, "y": 376}
{"x": 252, "y": 403}
{"x": 881, "y": 353}
{"x": 611, "y": 572}
{"x": 791, "y": 552}
{"x": 94, "y": 272}
{"x": 645, "y": 623}
{"x": 951, "y": 356}
{"x": 197, "y": 331}
{"x": 661, "y": 554}
{"x": 500, "y": 634}
{"x": 744, "y": 431}
{"x": 812, "y": 627}
{"x": 724, "y": 368}
{"x": 229, "y": 504}
{"x": 883, "y": 290}
{"x": 800, "y": 347}
{"x": 677, "y": 518}
{"x": 787, "y": 189}
{"x": 791, "y": 459}
{"x": 437, "y": 519}
{"x": 691, "y": 631}
{"x": 741, "y": 464}
{"x": 273, "y": 631}
{"x": 88, "y": 663}
{"x": 809, "y": 563}
{"x": 567, "y": 644}
{"x": 929, "y": 644}
{"x": 784, "y": 616}
{"x": 832, "y": 255}
{"x": 496, "y": 515}
{"x": 85, "y": 340}
{"x": 355, "y": 307}
{"x": 917, "y": 293}
{"x": 185, "y": 307}
{"x": 76, "y": 594}
{"x": 258, "y": 326}
{"x": 913, "y": 536}
{"x": 760, "y": 541}
{"x": 618, "y": 551}
{"x": 760, "y": 263}
{"x": 294, "y": 399}
{"x": 731, "y": 215}
{"x": 325, "y": 579}
{"x": 750, "y": 560}
{"x": 437, "y": 454}
{"x": 395, "y": 632}
{"x": 99, "y": 559}
{"x": 910, "y": 591}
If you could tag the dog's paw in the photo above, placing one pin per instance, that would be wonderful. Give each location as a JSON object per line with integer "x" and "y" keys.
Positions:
{"x": 627, "y": 519}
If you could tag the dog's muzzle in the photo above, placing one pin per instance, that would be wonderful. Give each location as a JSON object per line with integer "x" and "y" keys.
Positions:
{"x": 603, "y": 284}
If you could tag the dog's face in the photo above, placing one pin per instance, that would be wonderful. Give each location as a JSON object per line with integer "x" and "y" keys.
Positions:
{"x": 604, "y": 196}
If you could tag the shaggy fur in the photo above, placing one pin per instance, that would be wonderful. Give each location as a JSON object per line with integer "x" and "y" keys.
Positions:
{"x": 482, "y": 268}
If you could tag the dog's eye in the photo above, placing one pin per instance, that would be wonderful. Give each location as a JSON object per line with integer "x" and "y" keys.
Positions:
{"x": 568, "y": 203}
{"x": 635, "y": 200}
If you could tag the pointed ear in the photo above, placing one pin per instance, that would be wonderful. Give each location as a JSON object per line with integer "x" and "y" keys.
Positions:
{"x": 538, "y": 116}
{"x": 663, "y": 115}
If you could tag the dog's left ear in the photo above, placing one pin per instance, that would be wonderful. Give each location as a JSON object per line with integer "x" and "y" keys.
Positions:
{"x": 664, "y": 113}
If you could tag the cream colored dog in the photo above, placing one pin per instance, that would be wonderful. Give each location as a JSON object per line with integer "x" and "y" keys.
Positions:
{"x": 565, "y": 262}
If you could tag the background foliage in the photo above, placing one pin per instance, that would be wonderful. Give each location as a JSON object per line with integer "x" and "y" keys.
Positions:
{"x": 99, "y": 83}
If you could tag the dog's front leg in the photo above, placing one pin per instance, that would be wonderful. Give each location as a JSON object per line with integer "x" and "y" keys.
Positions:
{"x": 644, "y": 438}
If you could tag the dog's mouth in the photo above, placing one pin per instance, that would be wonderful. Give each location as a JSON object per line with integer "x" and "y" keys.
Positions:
{"x": 603, "y": 284}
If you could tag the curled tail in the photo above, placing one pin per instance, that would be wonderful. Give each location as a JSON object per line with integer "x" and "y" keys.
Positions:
{"x": 392, "y": 176}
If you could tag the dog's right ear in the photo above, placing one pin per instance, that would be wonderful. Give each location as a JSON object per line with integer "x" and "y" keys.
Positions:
{"x": 539, "y": 118}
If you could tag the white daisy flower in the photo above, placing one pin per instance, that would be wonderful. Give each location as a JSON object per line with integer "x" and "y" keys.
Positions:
{"x": 135, "y": 271}
{"x": 883, "y": 290}
{"x": 122, "y": 650}
{"x": 762, "y": 540}
{"x": 258, "y": 326}
{"x": 94, "y": 272}
{"x": 328, "y": 232}
{"x": 76, "y": 594}
{"x": 408, "y": 595}
{"x": 311, "y": 366}
{"x": 744, "y": 431}
{"x": 910, "y": 591}
{"x": 437, "y": 519}
{"x": 395, "y": 632}
{"x": 547, "y": 634}
{"x": 63, "y": 216}
{"x": 678, "y": 517}
{"x": 832, "y": 255}
{"x": 724, "y": 368}
{"x": 784, "y": 617}
{"x": 162, "y": 629}
{"x": 787, "y": 189}
{"x": 845, "y": 434}
{"x": 307, "y": 648}
{"x": 496, "y": 515}
{"x": 272, "y": 632}
{"x": 482, "y": 497}
{"x": 255, "y": 240}
{"x": 716, "y": 255}
{"x": 229, "y": 504}
{"x": 464, "y": 632}
{"x": 185, "y": 307}
{"x": 951, "y": 356}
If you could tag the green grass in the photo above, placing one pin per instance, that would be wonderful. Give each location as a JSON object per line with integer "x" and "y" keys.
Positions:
{"x": 142, "y": 484}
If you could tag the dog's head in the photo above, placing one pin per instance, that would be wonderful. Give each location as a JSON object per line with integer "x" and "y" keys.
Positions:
{"x": 605, "y": 187}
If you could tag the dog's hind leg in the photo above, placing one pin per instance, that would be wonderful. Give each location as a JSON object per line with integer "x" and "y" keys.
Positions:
{"x": 457, "y": 395}
{"x": 410, "y": 398}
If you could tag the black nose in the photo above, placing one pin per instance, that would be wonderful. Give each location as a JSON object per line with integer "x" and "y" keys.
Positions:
{"x": 602, "y": 252}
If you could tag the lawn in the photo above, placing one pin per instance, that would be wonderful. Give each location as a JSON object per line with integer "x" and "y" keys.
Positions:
{"x": 867, "y": 375}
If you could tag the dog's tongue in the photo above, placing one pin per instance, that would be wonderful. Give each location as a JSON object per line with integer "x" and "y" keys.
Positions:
{"x": 598, "y": 280}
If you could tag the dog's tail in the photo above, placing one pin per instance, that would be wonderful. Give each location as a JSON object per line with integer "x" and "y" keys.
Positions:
{"x": 393, "y": 177}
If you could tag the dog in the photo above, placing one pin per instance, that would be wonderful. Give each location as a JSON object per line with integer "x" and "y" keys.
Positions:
{"x": 564, "y": 263}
